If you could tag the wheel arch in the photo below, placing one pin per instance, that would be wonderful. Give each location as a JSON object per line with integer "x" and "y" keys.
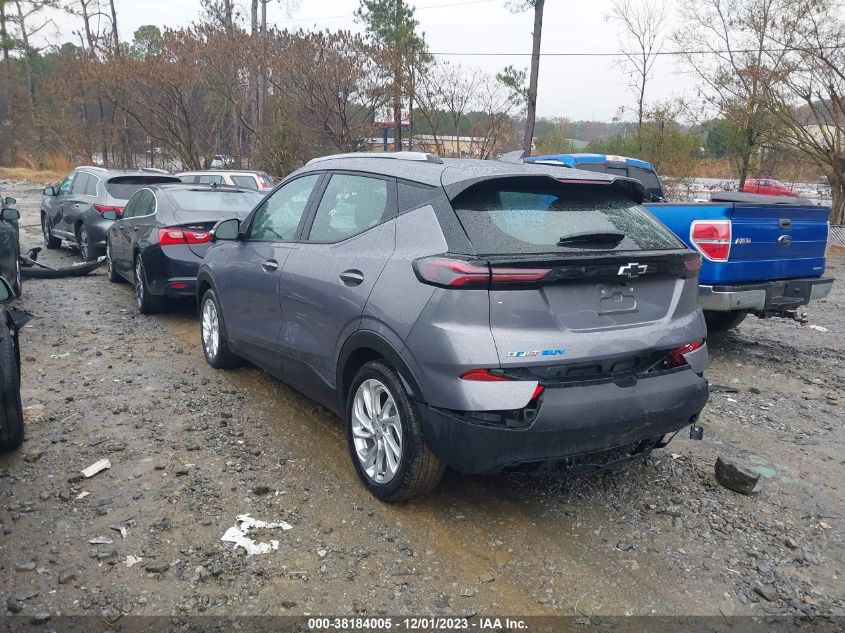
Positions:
{"x": 362, "y": 347}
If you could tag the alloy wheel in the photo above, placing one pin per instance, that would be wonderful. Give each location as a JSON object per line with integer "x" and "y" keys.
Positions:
{"x": 377, "y": 431}
{"x": 139, "y": 282}
{"x": 45, "y": 229}
{"x": 210, "y": 328}
{"x": 83, "y": 243}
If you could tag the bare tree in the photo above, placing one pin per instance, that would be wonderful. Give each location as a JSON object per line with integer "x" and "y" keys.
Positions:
{"x": 641, "y": 42}
{"x": 26, "y": 10}
{"x": 531, "y": 114}
{"x": 736, "y": 72}
{"x": 808, "y": 97}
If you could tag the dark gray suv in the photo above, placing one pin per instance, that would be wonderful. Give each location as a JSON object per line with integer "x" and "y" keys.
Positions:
{"x": 73, "y": 209}
{"x": 475, "y": 314}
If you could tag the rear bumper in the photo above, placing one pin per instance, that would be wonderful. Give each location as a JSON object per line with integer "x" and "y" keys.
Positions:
{"x": 770, "y": 295}
{"x": 172, "y": 271}
{"x": 571, "y": 421}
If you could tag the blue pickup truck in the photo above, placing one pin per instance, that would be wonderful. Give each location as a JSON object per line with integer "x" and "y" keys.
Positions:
{"x": 761, "y": 255}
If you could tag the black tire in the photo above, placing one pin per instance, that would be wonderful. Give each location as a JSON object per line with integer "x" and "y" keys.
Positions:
{"x": 419, "y": 470}
{"x": 222, "y": 357}
{"x": 114, "y": 276}
{"x": 47, "y": 231}
{"x": 147, "y": 303}
{"x": 89, "y": 253}
{"x": 723, "y": 321}
{"x": 11, "y": 411}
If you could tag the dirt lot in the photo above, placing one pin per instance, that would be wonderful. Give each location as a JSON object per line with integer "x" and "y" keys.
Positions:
{"x": 191, "y": 448}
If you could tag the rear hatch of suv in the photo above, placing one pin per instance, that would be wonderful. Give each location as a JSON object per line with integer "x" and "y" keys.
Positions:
{"x": 578, "y": 271}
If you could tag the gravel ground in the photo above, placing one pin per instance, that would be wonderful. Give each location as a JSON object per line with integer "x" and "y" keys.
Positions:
{"x": 191, "y": 448}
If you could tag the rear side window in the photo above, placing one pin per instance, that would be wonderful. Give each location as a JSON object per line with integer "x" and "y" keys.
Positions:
{"x": 210, "y": 180}
{"x": 214, "y": 200}
{"x": 188, "y": 178}
{"x": 80, "y": 183}
{"x": 122, "y": 187}
{"x": 141, "y": 204}
{"x": 350, "y": 205}
{"x": 245, "y": 181}
{"x": 506, "y": 219}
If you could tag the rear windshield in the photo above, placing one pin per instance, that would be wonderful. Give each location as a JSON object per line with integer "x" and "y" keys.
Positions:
{"x": 504, "y": 219}
{"x": 122, "y": 187}
{"x": 646, "y": 177}
{"x": 214, "y": 200}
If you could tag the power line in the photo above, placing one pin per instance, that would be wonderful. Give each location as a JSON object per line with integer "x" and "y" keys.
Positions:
{"x": 661, "y": 53}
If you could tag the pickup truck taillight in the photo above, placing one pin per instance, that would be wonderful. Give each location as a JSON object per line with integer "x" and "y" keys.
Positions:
{"x": 712, "y": 238}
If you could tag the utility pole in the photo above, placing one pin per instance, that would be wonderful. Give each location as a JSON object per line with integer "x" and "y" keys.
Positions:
{"x": 528, "y": 141}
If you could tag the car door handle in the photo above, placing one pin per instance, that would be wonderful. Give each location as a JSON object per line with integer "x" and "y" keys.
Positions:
{"x": 270, "y": 265}
{"x": 352, "y": 277}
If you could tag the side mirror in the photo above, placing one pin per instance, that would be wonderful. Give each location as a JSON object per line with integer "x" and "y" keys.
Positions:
{"x": 226, "y": 230}
{"x": 10, "y": 214}
{"x": 6, "y": 293}
{"x": 109, "y": 215}
{"x": 49, "y": 191}
{"x": 9, "y": 201}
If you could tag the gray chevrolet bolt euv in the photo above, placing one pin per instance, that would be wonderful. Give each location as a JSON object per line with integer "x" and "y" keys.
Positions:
{"x": 476, "y": 314}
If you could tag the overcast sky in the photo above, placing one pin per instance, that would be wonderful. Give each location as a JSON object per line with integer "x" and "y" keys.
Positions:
{"x": 574, "y": 87}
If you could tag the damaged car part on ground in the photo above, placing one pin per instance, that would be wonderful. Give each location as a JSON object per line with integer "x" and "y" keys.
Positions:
{"x": 33, "y": 269}
{"x": 463, "y": 313}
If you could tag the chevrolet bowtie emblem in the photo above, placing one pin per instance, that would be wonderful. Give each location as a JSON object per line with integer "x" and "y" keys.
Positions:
{"x": 632, "y": 270}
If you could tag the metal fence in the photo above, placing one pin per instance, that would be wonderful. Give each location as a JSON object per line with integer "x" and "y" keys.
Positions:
{"x": 837, "y": 234}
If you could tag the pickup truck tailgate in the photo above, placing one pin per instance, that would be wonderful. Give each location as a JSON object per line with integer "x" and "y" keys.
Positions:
{"x": 776, "y": 242}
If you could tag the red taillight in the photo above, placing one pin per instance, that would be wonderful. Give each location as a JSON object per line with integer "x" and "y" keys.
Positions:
{"x": 171, "y": 237}
{"x": 677, "y": 354}
{"x": 102, "y": 208}
{"x": 483, "y": 375}
{"x": 457, "y": 273}
{"x": 712, "y": 238}
{"x": 517, "y": 275}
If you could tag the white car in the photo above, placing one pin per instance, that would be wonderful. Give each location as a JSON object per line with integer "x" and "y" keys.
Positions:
{"x": 234, "y": 178}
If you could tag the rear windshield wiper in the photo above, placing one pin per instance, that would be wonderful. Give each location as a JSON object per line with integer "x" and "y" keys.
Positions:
{"x": 599, "y": 238}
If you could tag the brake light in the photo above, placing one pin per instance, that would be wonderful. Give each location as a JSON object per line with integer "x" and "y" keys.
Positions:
{"x": 485, "y": 375}
{"x": 677, "y": 354}
{"x": 102, "y": 208}
{"x": 173, "y": 237}
{"x": 712, "y": 238}
{"x": 457, "y": 273}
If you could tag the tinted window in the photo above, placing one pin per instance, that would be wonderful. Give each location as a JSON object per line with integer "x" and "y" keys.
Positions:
{"x": 279, "y": 215}
{"x": 350, "y": 205}
{"x": 501, "y": 218}
{"x": 210, "y": 180}
{"x": 91, "y": 187}
{"x": 214, "y": 200}
{"x": 122, "y": 187}
{"x": 245, "y": 181}
{"x": 143, "y": 203}
{"x": 80, "y": 183}
{"x": 67, "y": 183}
{"x": 412, "y": 196}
